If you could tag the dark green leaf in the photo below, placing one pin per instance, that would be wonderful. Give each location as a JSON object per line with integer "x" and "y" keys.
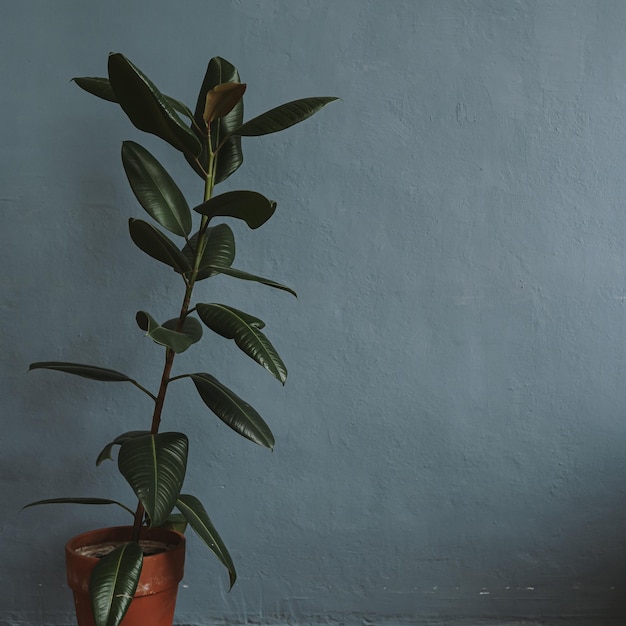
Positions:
{"x": 86, "y": 371}
{"x": 179, "y": 107}
{"x": 199, "y": 520}
{"x": 233, "y": 324}
{"x": 252, "y": 207}
{"x": 78, "y": 501}
{"x": 106, "y": 451}
{"x": 155, "y": 190}
{"x": 147, "y": 108}
{"x": 113, "y": 584}
{"x": 219, "y": 250}
{"x": 282, "y": 117}
{"x": 154, "y": 466}
{"x": 230, "y": 155}
{"x": 155, "y": 244}
{"x": 100, "y": 87}
{"x": 166, "y": 336}
{"x": 232, "y": 410}
{"x": 231, "y": 271}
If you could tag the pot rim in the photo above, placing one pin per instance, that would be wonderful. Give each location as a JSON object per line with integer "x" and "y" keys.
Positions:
{"x": 122, "y": 533}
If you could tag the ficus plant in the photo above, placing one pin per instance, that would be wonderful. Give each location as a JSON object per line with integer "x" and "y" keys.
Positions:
{"x": 152, "y": 461}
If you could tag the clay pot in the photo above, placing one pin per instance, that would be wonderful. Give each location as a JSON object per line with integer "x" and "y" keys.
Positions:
{"x": 155, "y": 597}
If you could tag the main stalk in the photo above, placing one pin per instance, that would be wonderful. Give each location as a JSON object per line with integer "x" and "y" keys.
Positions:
{"x": 184, "y": 310}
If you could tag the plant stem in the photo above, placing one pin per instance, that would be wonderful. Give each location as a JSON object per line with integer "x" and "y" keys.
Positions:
{"x": 184, "y": 311}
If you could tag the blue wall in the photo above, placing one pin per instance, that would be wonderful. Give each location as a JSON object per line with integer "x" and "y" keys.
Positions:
{"x": 450, "y": 441}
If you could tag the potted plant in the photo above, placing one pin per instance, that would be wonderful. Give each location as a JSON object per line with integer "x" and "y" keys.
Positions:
{"x": 112, "y": 581}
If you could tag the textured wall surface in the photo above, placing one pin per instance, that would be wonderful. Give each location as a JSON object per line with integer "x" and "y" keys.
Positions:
{"x": 450, "y": 442}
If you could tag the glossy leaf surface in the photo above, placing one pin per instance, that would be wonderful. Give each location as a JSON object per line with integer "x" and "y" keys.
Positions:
{"x": 147, "y": 108}
{"x": 231, "y": 271}
{"x": 233, "y": 324}
{"x": 105, "y": 454}
{"x": 155, "y": 189}
{"x": 155, "y": 244}
{"x": 154, "y": 467}
{"x": 86, "y": 371}
{"x": 113, "y": 584}
{"x": 164, "y": 334}
{"x": 252, "y": 207}
{"x": 219, "y": 250}
{"x": 282, "y": 117}
{"x": 101, "y": 87}
{"x": 232, "y": 410}
{"x": 199, "y": 520}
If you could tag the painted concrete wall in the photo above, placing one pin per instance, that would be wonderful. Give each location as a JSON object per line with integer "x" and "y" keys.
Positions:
{"x": 450, "y": 441}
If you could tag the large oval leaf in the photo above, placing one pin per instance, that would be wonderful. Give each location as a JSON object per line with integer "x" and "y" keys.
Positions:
{"x": 155, "y": 190}
{"x": 155, "y": 244}
{"x": 252, "y": 207}
{"x": 147, "y": 108}
{"x": 232, "y": 410}
{"x": 231, "y": 271}
{"x": 155, "y": 466}
{"x": 282, "y": 116}
{"x": 113, "y": 584}
{"x": 199, "y": 520}
{"x": 165, "y": 335}
{"x": 219, "y": 249}
{"x": 230, "y": 156}
{"x": 233, "y": 324}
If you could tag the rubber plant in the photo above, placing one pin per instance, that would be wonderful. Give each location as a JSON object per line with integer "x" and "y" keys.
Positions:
{"x": 154, "y": 462}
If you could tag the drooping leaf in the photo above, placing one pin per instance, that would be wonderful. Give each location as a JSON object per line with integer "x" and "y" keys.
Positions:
{"x": 252, "y": 207}
{"x": 230, "y": 155}
{"x": 155, "y": 244}
{"x": 282, "y": 116}
{"x": 219, "y": 250}
{"x": 232, "y": 410}
{"x": 199, "y": 520}
{"x": 155, "y": 466}
{"x": 233, "y": 324}
{"x": 113, "y": 583}
{"x": 221, "y": 100}
{"x": 147, "y": 108}
{"x": 105, "y": 454}
{"x": 166, "y": 336}
{"x": 155, "y": 190}
{"x": 231, "y": 271}
{"x": 86, "y": 371}
{"x": 97, "y": 501}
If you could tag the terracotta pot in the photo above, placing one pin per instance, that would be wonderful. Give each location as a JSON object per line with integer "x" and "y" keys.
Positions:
{"x": 155, "y": 597}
